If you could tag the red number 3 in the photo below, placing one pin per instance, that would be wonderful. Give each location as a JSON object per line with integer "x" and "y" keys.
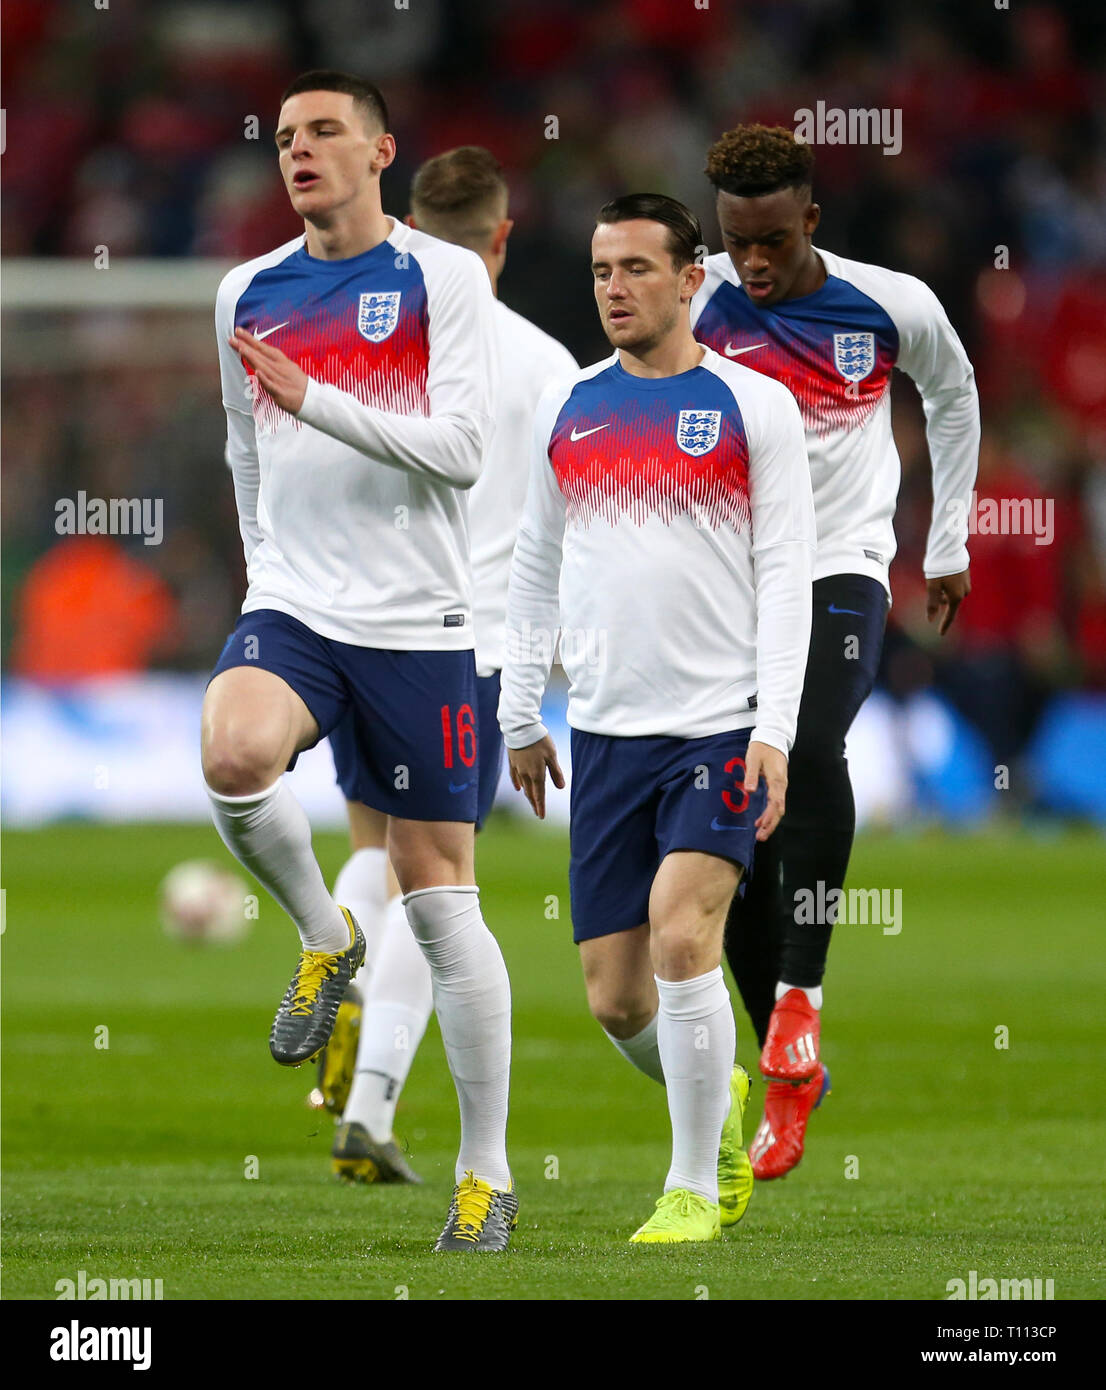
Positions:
{"x": 739, "y": 778}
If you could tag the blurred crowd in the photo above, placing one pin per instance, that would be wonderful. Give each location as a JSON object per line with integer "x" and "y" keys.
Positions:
{"x": 129, "y": 127}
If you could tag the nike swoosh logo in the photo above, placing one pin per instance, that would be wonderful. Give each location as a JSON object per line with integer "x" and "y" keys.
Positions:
{"x": 834, "y": 609}
{"x": 731, "y": 351}
{"x": 463, "y": 787}
{"x": 285, "y": 324}
{"x": 584, "y": 433}
{"x": 714, "y": 825}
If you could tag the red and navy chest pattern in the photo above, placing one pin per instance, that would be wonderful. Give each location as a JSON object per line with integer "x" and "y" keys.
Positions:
{"x": 358, "y": 324}
{"x": 624, "y": 449}
{"x": 834, "y": 350}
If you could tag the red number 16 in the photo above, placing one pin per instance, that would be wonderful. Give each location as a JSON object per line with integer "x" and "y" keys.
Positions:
{"x": 466, "y": 736}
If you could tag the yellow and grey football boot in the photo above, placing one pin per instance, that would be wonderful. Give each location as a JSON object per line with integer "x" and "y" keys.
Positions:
{"x": 338, "y": 1059}
{"x": 307, "y": 1013}
{"x": 480, "y": 1217}
{"x": 357, "y": 1157}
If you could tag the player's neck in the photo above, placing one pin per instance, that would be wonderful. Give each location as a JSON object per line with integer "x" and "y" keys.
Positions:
{"x": 675, "y": 354}
{"x": 812, "y": 277}
{"x": 348, "y": 234}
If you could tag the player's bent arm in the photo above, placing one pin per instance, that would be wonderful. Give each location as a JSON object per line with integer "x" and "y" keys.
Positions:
{"x": 450, "y": 443}
{"x": 237, "y": 387}
{"x": 241, "y": 459}
{"x": 448, "y": 448}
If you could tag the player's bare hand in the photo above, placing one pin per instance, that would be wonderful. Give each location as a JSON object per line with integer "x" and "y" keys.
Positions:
{"x": 284, "y": 381}
{"x": 528, "y": 771}
{"x": 762, "y": 760}
{"x": 944, "y": 596}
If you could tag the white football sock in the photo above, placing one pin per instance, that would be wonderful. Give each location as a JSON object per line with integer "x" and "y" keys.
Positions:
{"x": 472, "y": 996}
{"x": 268, "y": 833}
{"x": 812, "y": 992}
{"x": 362, "y": 886}
{"x": 641, "y": 1050}
{"x": 394, "y": 1014}
{"x": 697, "y": 1041}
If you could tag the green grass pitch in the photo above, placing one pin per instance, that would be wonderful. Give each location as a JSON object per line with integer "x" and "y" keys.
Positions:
{"x": 131, "y": 1160}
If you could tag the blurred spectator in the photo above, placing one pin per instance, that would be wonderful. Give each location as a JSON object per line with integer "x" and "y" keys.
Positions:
{"x": 89, "y": 609}
{"x": 1005, "y": 646}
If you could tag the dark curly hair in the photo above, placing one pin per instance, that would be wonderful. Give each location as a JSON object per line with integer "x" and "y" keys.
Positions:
{"x": 752, "y": 160}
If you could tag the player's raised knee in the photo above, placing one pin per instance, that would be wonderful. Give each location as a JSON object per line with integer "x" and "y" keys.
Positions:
{"x": 238, "y": 760}
{"x": 253, "y": 722}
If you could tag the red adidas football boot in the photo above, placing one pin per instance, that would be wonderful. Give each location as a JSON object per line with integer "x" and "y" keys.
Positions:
{"x": 778, "y": 1145}
{"x": 791, "y": 1047}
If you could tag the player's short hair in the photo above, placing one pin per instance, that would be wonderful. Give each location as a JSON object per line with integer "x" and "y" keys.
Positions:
{"x": 460, "y": 196}
{"x": 685, "y": 235}
{"x": 366, "y": 97}
{"x": 752, "y": 160}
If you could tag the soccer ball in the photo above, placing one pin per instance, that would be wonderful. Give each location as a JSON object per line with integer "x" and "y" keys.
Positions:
{"x": 204, "y": 904}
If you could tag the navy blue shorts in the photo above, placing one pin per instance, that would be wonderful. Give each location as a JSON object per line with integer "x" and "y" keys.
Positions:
{"x": 347, "y": 759}
{"x": 412, "y": 713}
{"x": 633, "y": 801}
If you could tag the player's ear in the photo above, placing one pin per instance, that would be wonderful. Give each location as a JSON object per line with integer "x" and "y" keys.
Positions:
{"x": 500, "y": 235}
{"x": 383, "y": 154}
{"x": 693, "y": 276}
{"x": 811, "y": 217}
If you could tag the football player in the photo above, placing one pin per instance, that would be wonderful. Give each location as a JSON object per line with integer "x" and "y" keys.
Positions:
{"x": 669, "y": 519}
{"x": 359, "y": 372}
{"x": 831, "y": 330}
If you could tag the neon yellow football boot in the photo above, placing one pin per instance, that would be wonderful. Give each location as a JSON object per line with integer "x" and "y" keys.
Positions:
{"x": 680, "y": 1216}
{"x": 735, "y": 1169}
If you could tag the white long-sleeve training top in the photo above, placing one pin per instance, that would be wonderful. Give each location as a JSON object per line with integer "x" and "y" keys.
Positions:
{"x": 834, "y": 350}
{"x": 667, "y": 539}
{"x": 353, "y": 513}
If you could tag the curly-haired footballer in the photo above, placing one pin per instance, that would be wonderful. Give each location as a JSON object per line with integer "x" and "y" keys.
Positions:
{"x": 831, "y": 330}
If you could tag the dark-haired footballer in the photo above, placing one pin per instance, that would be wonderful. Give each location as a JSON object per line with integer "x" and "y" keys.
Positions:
{"x": 831, "y": 330}
{"x": 669, "y": 520}
{"x": 359, "y": 381}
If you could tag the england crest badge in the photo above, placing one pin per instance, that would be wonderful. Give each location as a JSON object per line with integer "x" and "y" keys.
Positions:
{"x": 854, "y": 354}
{"x": 697, "y": 431}
{"x": 377, "y": 315}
